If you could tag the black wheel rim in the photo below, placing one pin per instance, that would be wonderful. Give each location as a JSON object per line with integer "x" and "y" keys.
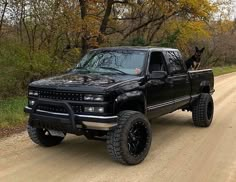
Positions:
{"x": 209, "y": 110}
{"x": 137, "y": 138}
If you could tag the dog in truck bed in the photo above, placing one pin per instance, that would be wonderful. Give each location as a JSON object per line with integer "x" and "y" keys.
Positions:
{"x": 193, "y": 62}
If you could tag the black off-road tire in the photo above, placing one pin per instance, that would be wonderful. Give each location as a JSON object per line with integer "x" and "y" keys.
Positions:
{"x": 130, "y": 141}
{"x": 203, "y": 110}
{"x": 42, "y": 137}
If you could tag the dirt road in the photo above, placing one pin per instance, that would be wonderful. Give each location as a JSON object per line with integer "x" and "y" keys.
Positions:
{"x": 179, "y": 152}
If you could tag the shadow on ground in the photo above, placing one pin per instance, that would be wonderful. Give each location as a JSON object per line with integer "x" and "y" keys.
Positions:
{"x": 165, "y": 130}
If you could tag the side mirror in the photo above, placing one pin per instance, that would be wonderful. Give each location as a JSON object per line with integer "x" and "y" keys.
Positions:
{"x": 158, "y": 75}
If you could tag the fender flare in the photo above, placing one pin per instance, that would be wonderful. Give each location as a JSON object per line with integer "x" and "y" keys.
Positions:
{"x": 130, "y": 97}
{"x": 205, "y": 85}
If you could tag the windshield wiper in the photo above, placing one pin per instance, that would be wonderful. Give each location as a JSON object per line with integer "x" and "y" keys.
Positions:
{"x": 82, "y": 69}
{"x": 113, "y": 69}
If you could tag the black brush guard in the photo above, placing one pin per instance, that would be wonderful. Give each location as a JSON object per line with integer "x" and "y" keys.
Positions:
{"x": 67, "y": 122}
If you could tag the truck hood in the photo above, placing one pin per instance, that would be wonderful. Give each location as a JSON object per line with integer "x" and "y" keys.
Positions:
{"x": 75, "y": 81}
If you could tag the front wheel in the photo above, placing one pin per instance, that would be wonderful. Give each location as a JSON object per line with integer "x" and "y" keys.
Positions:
{"x": 130, "y": 141}
{"x": 203, "y": 110}
{"x": 43, "y": 137}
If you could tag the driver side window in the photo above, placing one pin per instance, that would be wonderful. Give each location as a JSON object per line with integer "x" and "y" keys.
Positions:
{"x": 156, "y": 62}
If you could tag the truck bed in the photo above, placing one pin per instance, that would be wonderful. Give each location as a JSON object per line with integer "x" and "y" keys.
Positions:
{"x": 203, "y": 78}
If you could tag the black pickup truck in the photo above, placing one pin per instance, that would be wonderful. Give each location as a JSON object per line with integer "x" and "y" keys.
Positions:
{"x": 113, "y": 93}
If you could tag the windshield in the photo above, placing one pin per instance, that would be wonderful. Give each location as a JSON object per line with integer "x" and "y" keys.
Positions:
{"x": 113, "y": 62}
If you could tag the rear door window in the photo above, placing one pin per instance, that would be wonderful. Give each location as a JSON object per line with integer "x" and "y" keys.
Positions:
{"x": 175, "y": 63}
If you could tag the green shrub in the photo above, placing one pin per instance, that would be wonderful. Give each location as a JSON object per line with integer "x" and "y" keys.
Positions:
{"x": 18, "y": 67}
{"x": 138, "y": 41}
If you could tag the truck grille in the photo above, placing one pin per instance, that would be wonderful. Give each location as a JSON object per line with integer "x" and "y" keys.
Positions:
{"x": 51, "y": 108}
{"x": 60, "y": 109}
{"x": 60, "y": 95}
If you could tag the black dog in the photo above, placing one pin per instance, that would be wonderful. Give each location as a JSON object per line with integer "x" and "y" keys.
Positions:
{"x": 194, "y": 61}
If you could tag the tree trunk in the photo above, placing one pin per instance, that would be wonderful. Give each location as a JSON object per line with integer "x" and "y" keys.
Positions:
{"x": 84, "y": 41}
{"x": 105, "y": 20}
{"x": 106, "y": 17}
{"x": 2, "y": 17}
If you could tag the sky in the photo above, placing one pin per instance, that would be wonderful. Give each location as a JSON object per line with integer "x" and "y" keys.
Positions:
{"x": 234, "y": 8}
{"x": 225, "y": 8}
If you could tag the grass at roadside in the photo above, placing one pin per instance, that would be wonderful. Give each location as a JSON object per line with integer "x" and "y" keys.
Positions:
{"x": 224, "y": 70}
{"x": 11, "y": 112}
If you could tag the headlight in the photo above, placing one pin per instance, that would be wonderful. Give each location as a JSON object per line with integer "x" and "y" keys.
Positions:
{"x": 94, "y": 109}
{"x": 33, "y": 93}
{"x": 89, "y": 97}
{"x": 31, "y": 102}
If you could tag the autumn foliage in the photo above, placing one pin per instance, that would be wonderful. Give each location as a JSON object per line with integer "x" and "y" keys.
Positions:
{"x": 44, "y": 37}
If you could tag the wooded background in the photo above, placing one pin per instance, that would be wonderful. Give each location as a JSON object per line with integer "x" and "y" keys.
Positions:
{"x": 40, "y": 38}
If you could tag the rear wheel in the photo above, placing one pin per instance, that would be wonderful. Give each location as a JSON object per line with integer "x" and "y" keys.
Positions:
{"x": 130, "y": 141}
{"x": 203, "y": 110}
{"x": 43, "y": 137}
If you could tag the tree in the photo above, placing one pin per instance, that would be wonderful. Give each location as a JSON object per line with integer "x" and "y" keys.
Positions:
{"x": 3, "y": 11}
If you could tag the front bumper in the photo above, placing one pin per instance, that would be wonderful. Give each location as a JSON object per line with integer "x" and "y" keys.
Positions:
{"x": 68, "y": 122}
